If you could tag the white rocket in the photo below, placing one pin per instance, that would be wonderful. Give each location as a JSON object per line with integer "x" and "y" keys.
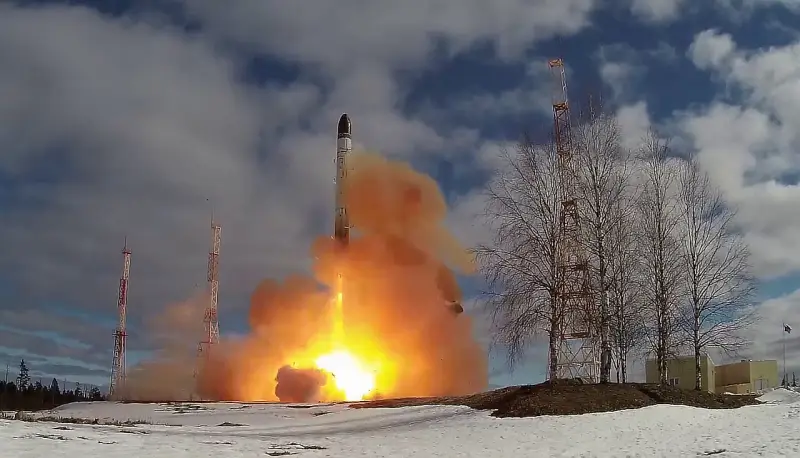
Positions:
{"x": 344, "y": 145}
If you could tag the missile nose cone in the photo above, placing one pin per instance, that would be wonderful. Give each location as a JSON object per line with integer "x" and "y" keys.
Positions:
{"x": 344, "y": 125}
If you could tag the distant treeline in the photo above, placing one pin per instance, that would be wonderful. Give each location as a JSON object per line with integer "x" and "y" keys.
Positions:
{"x": 21, "y": 394}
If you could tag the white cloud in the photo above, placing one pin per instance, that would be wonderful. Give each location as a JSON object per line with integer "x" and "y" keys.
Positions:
{"x": 768, "y": 337}
{"x": 622, "y": 68}
{"x": 665, "y": 11}
{"x": 618, "y": 76}
{"x": 745, "y": 130}
{"x": 634, "y": 123}
{"x": 750, "y": 148}
{"x": 710, "y": 49}
{"x": 389, "y": 34}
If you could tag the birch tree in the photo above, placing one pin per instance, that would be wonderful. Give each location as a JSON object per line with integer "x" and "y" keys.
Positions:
{"x": 627, "y": 330}
{"x": 520, "y": 265}
{"x": 717, "y": 281}
{"x": 602, "y": 175}
{"x": 658, "y": 213}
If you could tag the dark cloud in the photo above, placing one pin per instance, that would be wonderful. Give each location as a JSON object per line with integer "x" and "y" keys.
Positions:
{"x": 70, "y": 327}
{"x": 69, "y": 371}
{"x": 51, "y": 348}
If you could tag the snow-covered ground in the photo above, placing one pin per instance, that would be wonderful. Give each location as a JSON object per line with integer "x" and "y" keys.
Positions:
{"x": 243, "y": 430}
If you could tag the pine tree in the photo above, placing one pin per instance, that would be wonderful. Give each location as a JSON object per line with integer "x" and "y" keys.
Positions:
{"x": 54, "y": 387}
{"x": 23, "y": 379}
{"x": 794, "y": 380}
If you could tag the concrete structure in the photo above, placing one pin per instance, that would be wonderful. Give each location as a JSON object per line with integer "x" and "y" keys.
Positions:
{"x": 745, "y": 376}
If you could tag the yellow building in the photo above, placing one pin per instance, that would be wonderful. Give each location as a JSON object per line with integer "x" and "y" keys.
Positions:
{"x": 745, "y": 376}
{"x": 748, "y": 376}
{"x": 680, "y": 372}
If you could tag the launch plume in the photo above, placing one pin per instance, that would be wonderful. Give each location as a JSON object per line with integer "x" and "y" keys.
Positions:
{"x": 398, "y": 276}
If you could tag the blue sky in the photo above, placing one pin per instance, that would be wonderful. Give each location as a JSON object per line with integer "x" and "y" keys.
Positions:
{"x": 118, "y": 121}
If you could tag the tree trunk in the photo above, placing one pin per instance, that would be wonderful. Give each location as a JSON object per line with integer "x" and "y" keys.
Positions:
{"x": 555, "y": 332}
{"x": 697, "y": 371}
{"x": 605, "y": 344}
{"x": 698, "y": 382}
{"x": 624, "y": 370}
{"x": 662, "y": 348}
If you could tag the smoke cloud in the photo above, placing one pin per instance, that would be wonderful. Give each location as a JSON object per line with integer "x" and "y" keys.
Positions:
{"x": 169, "y": 374}
{"x": 398, "y": 277}
{"x": 299, "y": 385}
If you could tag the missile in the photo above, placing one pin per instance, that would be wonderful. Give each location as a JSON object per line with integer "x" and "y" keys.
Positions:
{"x": 341, "y": 225}
{"x": 344, "y": 145}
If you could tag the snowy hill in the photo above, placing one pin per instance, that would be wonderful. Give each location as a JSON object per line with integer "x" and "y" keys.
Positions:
{"x": 780, "y": 396}
{"x": 243, "y": 430}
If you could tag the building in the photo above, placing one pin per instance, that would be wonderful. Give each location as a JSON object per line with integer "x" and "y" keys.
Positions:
{"x": 745, "y": 376}
{"x": 680, "y": 372}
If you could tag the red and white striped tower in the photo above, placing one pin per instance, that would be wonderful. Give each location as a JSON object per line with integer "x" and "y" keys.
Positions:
{"x": 210, "y": 320}
{"x": 120, "y": 334}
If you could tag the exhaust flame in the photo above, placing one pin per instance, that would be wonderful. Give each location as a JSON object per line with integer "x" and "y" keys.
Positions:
{"x": 351, "y": 378}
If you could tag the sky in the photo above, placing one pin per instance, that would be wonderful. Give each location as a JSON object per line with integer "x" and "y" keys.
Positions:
{"x": 138, "y": 119}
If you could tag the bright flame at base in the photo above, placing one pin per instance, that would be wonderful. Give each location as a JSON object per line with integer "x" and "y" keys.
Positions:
{"x": 351, "y": 378}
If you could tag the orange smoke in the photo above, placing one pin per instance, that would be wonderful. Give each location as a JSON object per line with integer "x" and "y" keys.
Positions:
{"x": 395, "y": 278}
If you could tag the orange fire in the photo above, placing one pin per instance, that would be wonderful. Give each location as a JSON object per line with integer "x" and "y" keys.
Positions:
{"x": 386, "y": 331}
{"x": 353, "y": 379}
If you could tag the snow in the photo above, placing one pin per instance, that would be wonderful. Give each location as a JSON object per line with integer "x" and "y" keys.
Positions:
{"x": 200, "y": 430}
{"x": 780, "y": 396}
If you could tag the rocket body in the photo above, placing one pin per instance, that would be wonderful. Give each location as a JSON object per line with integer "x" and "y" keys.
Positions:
{"x": 341, "y": 225}
{"x": 344, "y": 146}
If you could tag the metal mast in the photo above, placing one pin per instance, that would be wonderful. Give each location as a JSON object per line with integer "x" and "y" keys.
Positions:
{"x": 210, "y": 320}
{"x": 120, "y": 334}
{"x": 577, "y": 348}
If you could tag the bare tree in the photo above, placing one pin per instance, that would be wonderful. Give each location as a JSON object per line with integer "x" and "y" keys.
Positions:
{"x": 520, "y": 265}
{"x": 603, "y": 176}
{"x": 659, "y": 215}
{"x": 627, "y": 330}
{"x": 718, "y": 284}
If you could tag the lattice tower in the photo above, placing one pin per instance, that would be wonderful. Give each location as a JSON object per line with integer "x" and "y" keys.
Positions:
{"x": 578, "y": 343}
{"x": 210, "y": 319}
{"x": 118, "y": 366}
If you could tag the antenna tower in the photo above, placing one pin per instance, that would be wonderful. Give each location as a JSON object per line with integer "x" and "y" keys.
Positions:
{"x": 120, "y": 334}
{"x": 210, "y": 320}
{"x": 577, "y": 348}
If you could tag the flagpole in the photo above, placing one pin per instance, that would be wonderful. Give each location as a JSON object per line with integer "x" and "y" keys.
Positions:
{"x": 783, "y": 338}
